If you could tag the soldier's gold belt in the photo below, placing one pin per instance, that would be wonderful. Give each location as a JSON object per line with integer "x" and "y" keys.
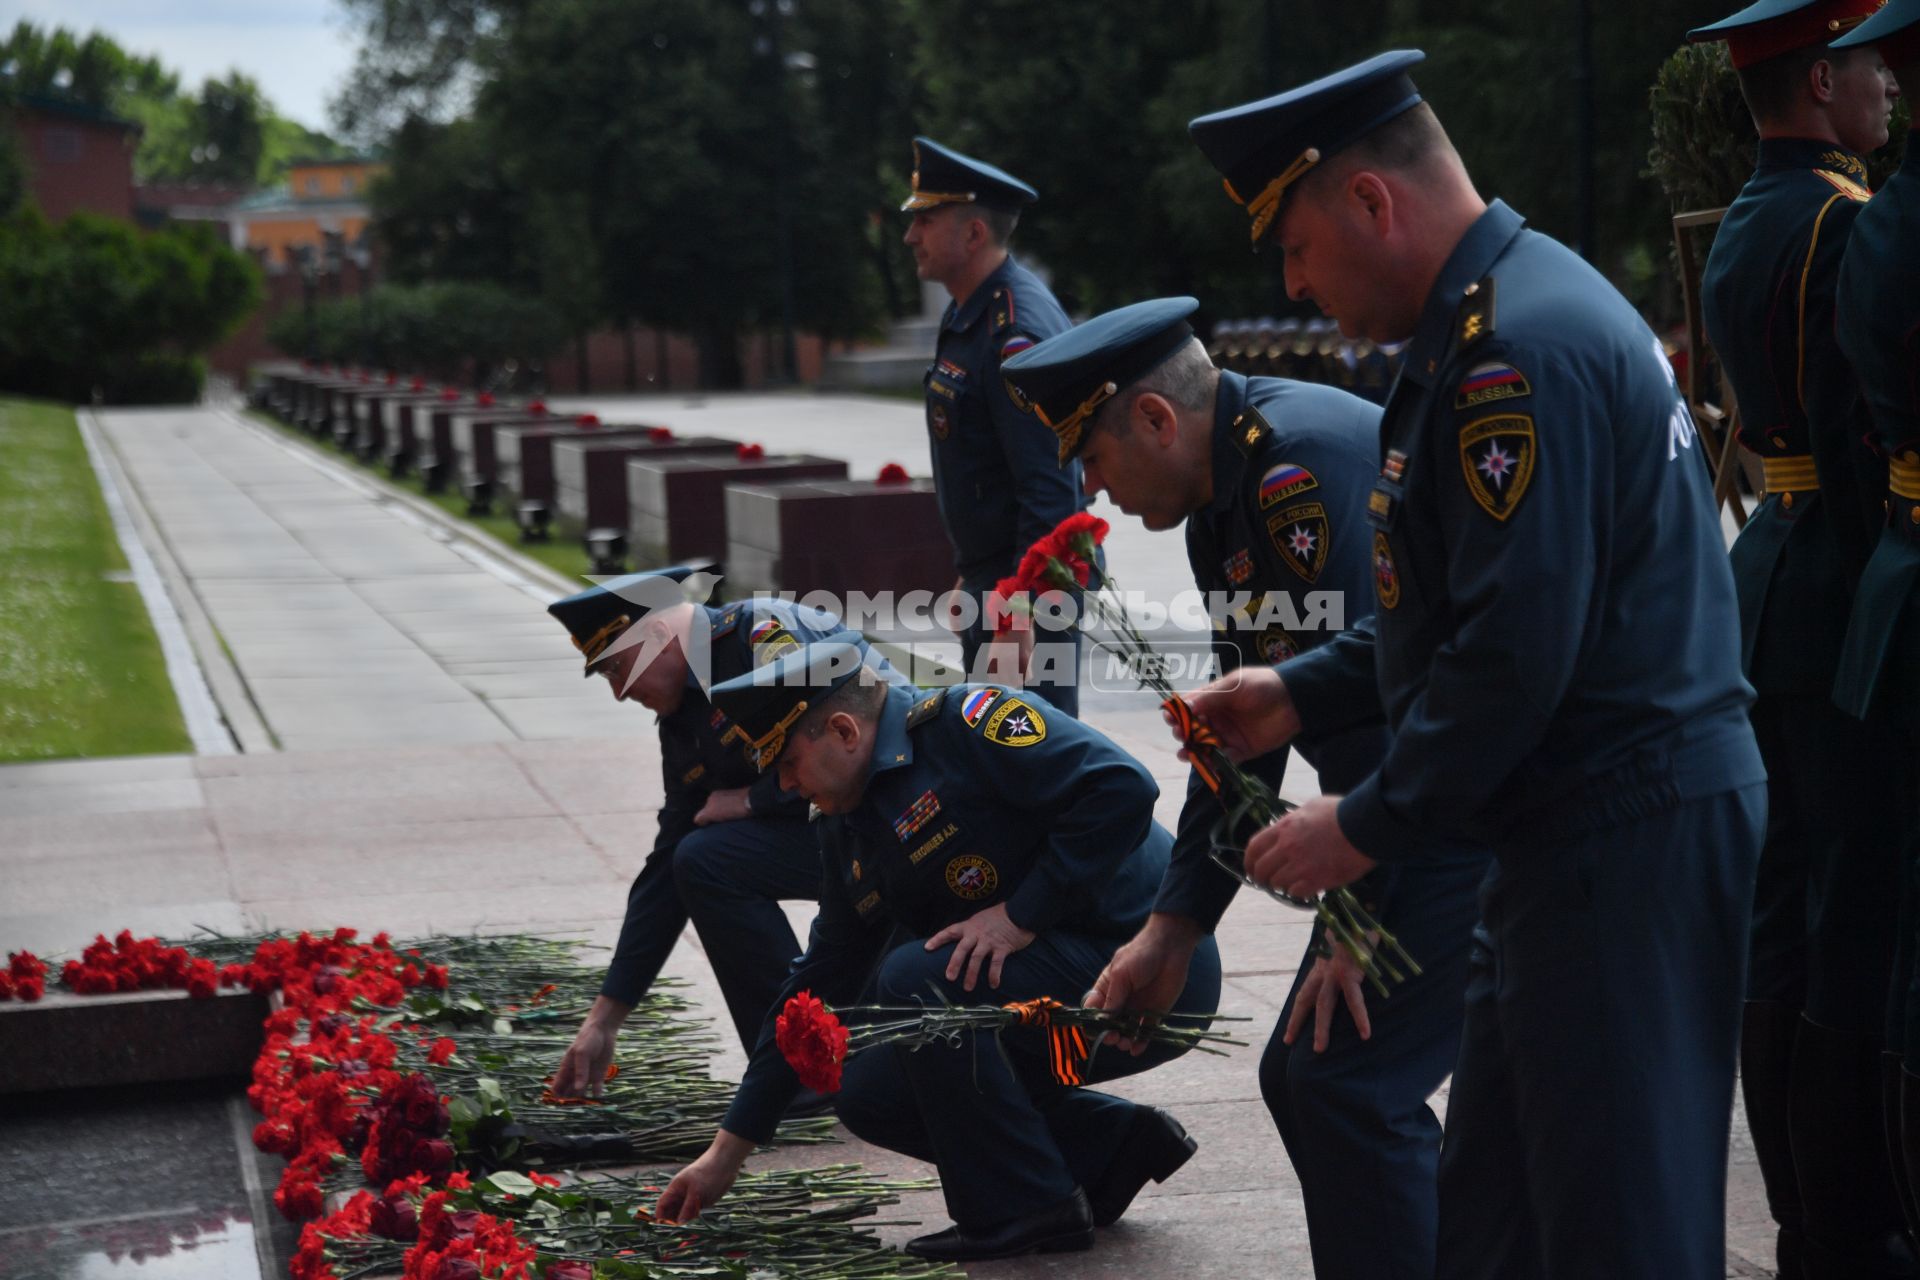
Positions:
{"x": 1904, "y": 477}
{"x": 1789, "y": 475}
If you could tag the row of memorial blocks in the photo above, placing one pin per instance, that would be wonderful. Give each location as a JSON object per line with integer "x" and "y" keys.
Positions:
{"x": 637, "y": 496}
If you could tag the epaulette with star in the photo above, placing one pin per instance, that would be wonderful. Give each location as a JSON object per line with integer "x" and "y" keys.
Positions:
{"x": 926, "y": 709}
{"x": 1004, "y": 317}
{"x": 724, "y": 624}
{"x": 1250, "y": 431}
{"x": 1475, "y": 315}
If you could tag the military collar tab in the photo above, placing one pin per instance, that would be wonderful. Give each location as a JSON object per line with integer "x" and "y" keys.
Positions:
{"x": 1444, "y": 319}
{"x": 892, "y": 744}
{"x": 1811, "y": 153}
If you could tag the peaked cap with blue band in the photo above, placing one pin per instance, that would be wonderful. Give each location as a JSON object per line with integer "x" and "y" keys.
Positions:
{"x": 1064, "y": 380}
{"x": 942, "y": 175}
{"x": 765, "y": 703}
{"x": 1769, "y": 28}
{"x": 1262, "y": 148}
{"x": 1897, "y": 18}
{"x": 601, "y": 614}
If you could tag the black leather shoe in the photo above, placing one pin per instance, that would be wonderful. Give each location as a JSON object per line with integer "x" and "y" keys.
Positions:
{"x": 1066, "y": 1227}
{"x": 1155, "y": 1147}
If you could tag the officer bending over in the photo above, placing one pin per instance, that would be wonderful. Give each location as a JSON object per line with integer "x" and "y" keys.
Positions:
{"x": 1017, "y": 848}
{"x": 731, "y": 845}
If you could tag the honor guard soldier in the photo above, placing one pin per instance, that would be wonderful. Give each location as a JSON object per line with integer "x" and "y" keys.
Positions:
{"x": 1826, "y": 902}
{"x": 1016, "y": 848}
{"x": 1539, "y": 513}
{"x": 1878, "y": 318}
{"x": 993, "y": 467}
{"x": 731, "y": 846}
{"x": 1271, "y": 479}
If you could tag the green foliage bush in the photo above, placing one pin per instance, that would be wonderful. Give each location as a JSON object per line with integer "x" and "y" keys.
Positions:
{"x": 94, "y": 308}
{"x": 436, "y": 328}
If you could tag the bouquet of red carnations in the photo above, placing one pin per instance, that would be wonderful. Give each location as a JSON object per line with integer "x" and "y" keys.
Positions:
{"x": 1068, "y": 560}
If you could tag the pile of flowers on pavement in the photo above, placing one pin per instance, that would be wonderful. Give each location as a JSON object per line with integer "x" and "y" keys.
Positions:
{"x": 406, "y": 1086}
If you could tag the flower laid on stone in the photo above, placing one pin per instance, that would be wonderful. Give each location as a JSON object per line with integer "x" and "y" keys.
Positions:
{"x": 139, "y": 964}
{"x": 816, "y": 1042}
{"x": 893, "y": 473}
{"x": 25, "y": 977}
{"x": 1066, "y": 560}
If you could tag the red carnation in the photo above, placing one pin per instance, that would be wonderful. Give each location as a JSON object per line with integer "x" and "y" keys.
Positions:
{"x": 395, "y": 1218}
{"x": 588, "y": 420}
{"x": 30, "y": 989}
{"x": 536, "y": 406}
{"x": 893, "y": 473}
{"x": 25, "y": 964}
{"x": 449, "y": 395}
{"x": 750, "y": 452}
{"x": 6, "y": 986}
{"x": 659, "y": 434}
{"x": 813, "y": 1042}
{"x": 1010, "y": 606}
{"x": 484, "y": 399}
{"x": 298, "y": 1201}
{"x": 443, "y": 1049}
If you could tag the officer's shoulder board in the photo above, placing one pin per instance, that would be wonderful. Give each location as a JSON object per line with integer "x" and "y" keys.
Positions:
{"x": 1498, "y": 448}
{"x": 1251, "y": 431}
{"x": 928, "y": 708}
{"x": 725, "y": 622}
{"x": 1474, "y": 320}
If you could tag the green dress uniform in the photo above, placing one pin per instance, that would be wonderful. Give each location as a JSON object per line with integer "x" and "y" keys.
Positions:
{"x": 1879, "y": 329}
{"x": 1826, "y": 901}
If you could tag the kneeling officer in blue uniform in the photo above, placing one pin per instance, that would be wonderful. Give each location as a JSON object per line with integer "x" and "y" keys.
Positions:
{"x": 1016, "y": 847}
{"x": 731, "y": 846}
{"x": 1271, "y": 478}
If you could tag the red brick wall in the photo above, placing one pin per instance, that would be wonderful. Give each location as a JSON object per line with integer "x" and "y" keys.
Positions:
{"x": 76, "y": 165}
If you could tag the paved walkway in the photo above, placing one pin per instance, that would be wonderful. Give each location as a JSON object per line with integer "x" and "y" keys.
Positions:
{"x": 442, "y": 766}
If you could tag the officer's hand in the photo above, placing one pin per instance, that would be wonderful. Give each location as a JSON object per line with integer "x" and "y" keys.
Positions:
{"x": 1006, "y": 658}
{"x": 985, "y": 937}
{"x": 1250, "y": 710}
{"x": 583, "y": 1067}
{"x": 701, "y": 1184}
{"x": 729, "y": 805}
{"x": 1305, "y": 853}
{"x": 1331, "y": 978}
{"x": 1147, "y": 974}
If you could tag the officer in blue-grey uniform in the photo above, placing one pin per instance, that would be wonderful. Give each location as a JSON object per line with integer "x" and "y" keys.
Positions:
{"x": 1825, "y": 905}
{"x": 1016, "y": 848}
{"x": 1271, "y": 478}
{"x": 992, "y": 464}
{"x": 731, "y": 845}
{"x": 1555, "y": 648}
{"x": 1878, "y": 321}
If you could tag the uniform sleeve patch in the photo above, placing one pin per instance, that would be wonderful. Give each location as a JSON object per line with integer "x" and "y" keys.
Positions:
{"x": 1283, "y": 482}
{"x": 1303, "y": 536}
{"x": 1014, "y": 346}
{"x": 974, "y": 709}
{"x": 1498, "y": 456}
{"x": 770, "y": 640}
{"x": 1013, "y": 723}
{"x": 1487, "y": 383}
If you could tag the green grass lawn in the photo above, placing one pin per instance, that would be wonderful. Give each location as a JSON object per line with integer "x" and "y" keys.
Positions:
{"x": 80, "y": 668}
{"x": 563, "y": 553}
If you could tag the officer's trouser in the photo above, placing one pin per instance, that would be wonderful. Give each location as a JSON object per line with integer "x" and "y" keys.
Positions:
{"x": 1355, "y": 1118}
{"x": 1587, "y": 1124}
{"x": 730, "y": 879}
{"x": 1056, "y": 654}
{"x": 1008, "y": 1139}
